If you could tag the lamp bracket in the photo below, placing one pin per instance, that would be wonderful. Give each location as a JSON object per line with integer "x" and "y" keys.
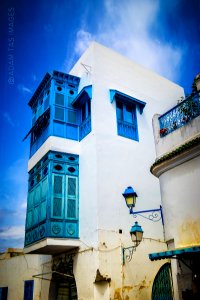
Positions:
{"x": 128, "y": 253}
{"x": 155, "y": 215}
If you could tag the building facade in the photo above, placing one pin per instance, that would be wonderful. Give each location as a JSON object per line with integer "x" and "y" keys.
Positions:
{"x": 177, "y": 140}
{"x": 91, "y": 138}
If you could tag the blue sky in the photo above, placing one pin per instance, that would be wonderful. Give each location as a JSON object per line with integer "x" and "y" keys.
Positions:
{"x": 45, "y": 35}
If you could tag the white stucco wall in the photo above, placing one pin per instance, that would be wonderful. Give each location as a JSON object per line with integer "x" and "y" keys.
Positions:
{"x": 179, "y": 184}
{"x": 14, "y": 271}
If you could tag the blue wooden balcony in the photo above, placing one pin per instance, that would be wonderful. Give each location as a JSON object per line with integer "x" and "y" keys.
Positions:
{"x": 127, "y": 129}
{"x": 180, "y": 115}
{"x": 85, "y": 128}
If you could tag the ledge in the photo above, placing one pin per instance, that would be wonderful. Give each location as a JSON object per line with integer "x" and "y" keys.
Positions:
{"x": 176, "y": 157}
{"x": 52, "y": 246}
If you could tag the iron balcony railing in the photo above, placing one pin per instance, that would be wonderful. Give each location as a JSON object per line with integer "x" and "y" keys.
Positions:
{"x": 180, "y": 115}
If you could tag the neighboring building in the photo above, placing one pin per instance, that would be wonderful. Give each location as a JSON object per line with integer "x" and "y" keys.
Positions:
{"x": 16, "y": 275}
{"x": 177, "y": 140}
{"x": 91, "y": 137}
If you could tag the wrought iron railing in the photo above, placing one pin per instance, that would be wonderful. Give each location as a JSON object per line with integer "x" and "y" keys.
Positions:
{"x": 180, "y": 115}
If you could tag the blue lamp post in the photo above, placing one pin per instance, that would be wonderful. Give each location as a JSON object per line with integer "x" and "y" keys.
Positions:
{"x": 130, "y": 198}
{"x": 136, "y": 233}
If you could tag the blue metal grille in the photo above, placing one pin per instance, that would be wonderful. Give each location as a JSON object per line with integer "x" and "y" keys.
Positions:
{"x": 35, "y": 215}
{"x": 43, "y": 211}
{"x": 44, "y": 188}
{"x": 57, "y": 207}
{"x": 162, "y": 286}
{"x": 71, "y": 186}
{"x": 71, "y": 208}
{"x": 58, "y": 184}
{"x": 180, "y": 115}
{"x": 59, "y": 99}
{"x": 37, "y": 195}
{"x": 29, "y": 219}
{"x": 59, "y": 113}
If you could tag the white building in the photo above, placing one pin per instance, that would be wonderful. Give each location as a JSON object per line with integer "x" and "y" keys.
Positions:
{"x": 177, "y": 140}
{"x": 91, "y": 138}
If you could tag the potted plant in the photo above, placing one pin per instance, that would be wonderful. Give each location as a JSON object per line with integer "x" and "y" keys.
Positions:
{"x": 163, "y": 131}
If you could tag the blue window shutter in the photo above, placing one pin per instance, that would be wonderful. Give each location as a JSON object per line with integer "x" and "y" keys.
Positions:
{"x": 28, "y": 289}
{"x": 44, "y": 192}
{"x": 57, "y": 201}
{"x": 72, "y": 197}
{"x": 127, "y": 120}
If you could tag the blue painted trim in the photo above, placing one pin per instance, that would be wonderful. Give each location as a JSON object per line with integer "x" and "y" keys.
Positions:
{"x": 85, "y": 93}
{"x": 114, "y": 95}
{"x": 172, "y": 253}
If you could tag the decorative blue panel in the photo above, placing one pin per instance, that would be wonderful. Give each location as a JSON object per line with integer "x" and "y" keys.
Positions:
{"x": 72, "y": 132}
{"x": 127, "y": 130}
{"x": 59, "y": 129}
{"x": 42, "y": 231}
{"x": 71, "y": 230}
{"x": 57, "y": 229}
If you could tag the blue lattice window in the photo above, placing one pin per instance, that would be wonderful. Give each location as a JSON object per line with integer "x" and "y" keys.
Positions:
{"x": 52, "y": 206}
{"x": 72, "y": 195}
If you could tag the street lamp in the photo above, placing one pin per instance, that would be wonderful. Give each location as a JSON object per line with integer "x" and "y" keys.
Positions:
{"x": 136, "y": 233}
{"x": 130, "y": 198}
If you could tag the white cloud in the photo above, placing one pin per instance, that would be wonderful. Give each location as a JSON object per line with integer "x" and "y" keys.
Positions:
{"x": 22, "y": 88}
{"x": 126, "y": 27}
{"x": 12, "y": 232}
{"x": 8, "y": 119}
{"x": 83, "y": 40}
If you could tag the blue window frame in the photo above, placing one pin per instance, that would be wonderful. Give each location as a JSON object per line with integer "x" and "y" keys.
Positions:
{"x": 28, "y": 289}
{"x": 83, "y": 104}
{"x": 3, "y": 293}
{"x": 126, "y": 107}
{"x": 127, "y": 120}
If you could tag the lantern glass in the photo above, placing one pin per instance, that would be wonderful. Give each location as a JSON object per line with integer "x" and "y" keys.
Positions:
{"x": 136, "y": 234}
{"x": 130, "y": 197}
{"x": 130, "y": 201}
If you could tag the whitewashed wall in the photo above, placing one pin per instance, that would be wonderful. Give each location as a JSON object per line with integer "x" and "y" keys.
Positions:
{"x": 14, "y": 271}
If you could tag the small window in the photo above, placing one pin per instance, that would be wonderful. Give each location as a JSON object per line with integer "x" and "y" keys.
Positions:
{"x": 71, "y": 92}
{"x": 59, "y": 113}
{"x": 59, "y": 99}
{"x": 126, "y": 120}
{"x": 71, "y": 170}
{"x": 28, "y": 289}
